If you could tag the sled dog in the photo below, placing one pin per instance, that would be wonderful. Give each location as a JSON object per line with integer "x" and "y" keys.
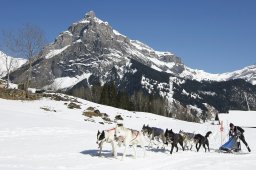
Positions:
{"x": 202, "y": 140}
{"x": 174, "y": 139}
{"x": 108, "y": 137}
{"x": 154, "y": 133}
{"x": 130, "y": 137}
{"x": 188, "y": 139}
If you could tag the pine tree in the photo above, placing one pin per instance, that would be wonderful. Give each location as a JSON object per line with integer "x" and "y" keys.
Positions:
{"x": 109, "y": 94}
{"x": 123, "y": 100}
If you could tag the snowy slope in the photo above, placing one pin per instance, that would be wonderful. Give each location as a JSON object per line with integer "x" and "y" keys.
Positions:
{"x": 246, "y": 73}
{"x": 35, "y": 139}
{"x": 17, "y": 62}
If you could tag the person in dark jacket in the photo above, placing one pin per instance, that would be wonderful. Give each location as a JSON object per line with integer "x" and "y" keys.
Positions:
{"x": 238, "y": 132}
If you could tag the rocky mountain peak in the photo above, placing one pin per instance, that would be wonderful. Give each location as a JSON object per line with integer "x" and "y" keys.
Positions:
{"x": 90, "y": 14}
{"x": 97, "y": 41}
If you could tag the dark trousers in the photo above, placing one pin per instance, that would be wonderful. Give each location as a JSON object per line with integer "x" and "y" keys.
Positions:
{"x": 241, "y": 137}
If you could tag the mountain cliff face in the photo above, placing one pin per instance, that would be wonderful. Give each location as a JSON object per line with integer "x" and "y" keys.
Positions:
{"x": 91, "y": 59}
{"x": 92, "y": 46}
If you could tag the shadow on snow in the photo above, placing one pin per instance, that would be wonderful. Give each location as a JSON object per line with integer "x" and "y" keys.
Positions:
{"x": 104, "y": 153}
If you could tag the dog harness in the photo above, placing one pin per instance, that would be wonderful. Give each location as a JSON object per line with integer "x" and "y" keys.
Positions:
{"x": 111, "y": 129}
{"x": 135, "y": 132}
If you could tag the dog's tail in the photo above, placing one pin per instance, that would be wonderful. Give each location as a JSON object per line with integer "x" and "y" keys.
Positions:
{"x": 208, "y": 134}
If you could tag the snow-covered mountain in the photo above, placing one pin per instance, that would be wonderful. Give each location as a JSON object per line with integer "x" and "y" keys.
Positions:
{"x": 253, "y": 80}
{"x": 247, "y": 73}
{"x": 91, "y": 43}
{"x": 16, "y": 63}
{"x": 92, "y": 46}
{"x": 91, "y": 55}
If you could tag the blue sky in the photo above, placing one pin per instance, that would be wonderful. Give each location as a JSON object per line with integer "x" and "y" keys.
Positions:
{"x": 214, "y": 35}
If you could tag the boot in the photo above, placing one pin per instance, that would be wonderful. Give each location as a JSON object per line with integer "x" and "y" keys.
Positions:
{"x": 248, "y": 148}
{"x": 238, "y": 146}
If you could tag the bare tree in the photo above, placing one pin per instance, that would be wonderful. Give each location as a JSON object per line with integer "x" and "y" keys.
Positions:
{"x": 1, "y": 73}
{"x": 9, "y": 63}
{"x": 26, "y": 43}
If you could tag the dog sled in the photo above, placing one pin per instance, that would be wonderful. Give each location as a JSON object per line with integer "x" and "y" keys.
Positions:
{"x": 231, "y": 146}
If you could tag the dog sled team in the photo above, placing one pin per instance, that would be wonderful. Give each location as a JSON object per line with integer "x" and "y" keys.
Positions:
{"x": 153, "y": 136}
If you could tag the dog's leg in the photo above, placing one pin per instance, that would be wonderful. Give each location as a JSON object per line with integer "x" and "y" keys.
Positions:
{"x": 186, "y": 144}
{"x": 144, "y": 150}
{"x": 172, "y": 148}
{"x": 100, "y": 145}
{"x": 142, "y": 144}
{"x": 150, "y": 142}
{"x": 176, "y": 146}
{"x": 208, "y": 146}
{"x": 204, "y": 147}
{"x": 199, "y": 147}
{"x": 160, "y": 142}
{"x": 164, "y": 141}
{"x": 113, "y": 149}
{"x": 181, "y": 144}
{"x": 157, "y": 141}
{"x": 135, "y": 153}
{"x": 124, "y": 154}
{"x": 163, "y": 145}
{"x": 149, "y": 145}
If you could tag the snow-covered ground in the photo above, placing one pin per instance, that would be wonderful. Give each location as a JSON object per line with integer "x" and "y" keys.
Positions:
{"x": 34, "y": 139}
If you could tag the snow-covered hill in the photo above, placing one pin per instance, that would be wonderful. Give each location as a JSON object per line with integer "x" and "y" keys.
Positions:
{"x": 32, "y": 138}
{"x": 16, "y": 63}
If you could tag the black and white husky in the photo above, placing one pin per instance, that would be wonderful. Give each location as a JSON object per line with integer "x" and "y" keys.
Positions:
{"x": 106, "y": 136}
{"x": 130, "y": 137}
{"x": 188, "y": 139}
{"x": 154, "y": 133}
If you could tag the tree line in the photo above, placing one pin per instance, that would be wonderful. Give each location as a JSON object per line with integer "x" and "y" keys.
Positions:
{"x": 110, "y": 95}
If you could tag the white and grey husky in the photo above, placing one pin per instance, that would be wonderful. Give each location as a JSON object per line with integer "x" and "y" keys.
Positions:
{"x": 188, "y": 139}
{"x": 130, "y": 137}
{"x": 154, "y": 134}
{"x": 106, "y": 136}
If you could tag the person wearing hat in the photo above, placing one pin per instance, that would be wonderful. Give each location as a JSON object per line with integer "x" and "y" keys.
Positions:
{"x": 237, "y": 131}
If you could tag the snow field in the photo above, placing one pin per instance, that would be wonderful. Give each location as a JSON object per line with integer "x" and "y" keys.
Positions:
{"x": 34, "y": 139}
